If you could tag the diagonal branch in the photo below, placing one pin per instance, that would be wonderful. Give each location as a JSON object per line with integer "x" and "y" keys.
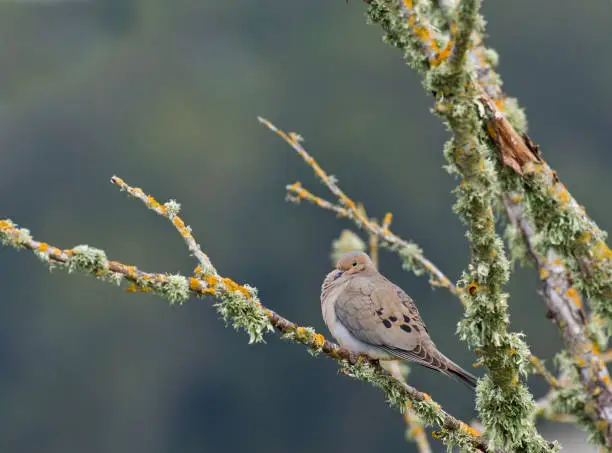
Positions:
{"x": 240, "y": 305}
{"x": 565, "y": 307}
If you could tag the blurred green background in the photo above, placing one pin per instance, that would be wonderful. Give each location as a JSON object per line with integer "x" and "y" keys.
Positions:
{"x": 165, "y": 95}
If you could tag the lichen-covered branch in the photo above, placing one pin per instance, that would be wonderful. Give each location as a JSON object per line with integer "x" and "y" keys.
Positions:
{"x": 240, "y": 306}
{"x": 170, "y": 210}
{"x": 565, "y": 307}
{"x": 485, "y": 323}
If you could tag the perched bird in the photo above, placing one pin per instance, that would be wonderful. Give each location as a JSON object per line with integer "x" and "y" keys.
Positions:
{"x": 368, "y": 314}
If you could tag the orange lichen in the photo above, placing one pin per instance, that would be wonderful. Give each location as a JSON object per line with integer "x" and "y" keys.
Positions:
{"x": 131, "y": 271}
{"x": 212, "y": 280}
{"x": 500, "y": 103}
{"x": 602, "y": 251}
{"x": 491, "y": 131}
{"x": 572, "y": 293}
{"x": 444, "y": 54}
{"x": 468, "y": 429}
{"x": 296, "y": 186}
{"x": 231, "y": 286}
{"x": 133, "y": 288}
{"x": 194, "y": 284}
{"x": 561, "y": 194}
{"x": 473, "y": 288}
{"x": 43, "y": 247}
{"x": 387, "y": 220}
{"x": 318, "y": 340}
{"x": 153, "y": 203}
{"x": 595, "y": 349}
{"x": 179, "y": 224}
{"x": 416, "y": 430}
{"x": 544, "y": 273}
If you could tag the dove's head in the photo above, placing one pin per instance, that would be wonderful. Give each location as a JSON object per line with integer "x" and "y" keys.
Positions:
{"x": 354, "y": 262}
{"x": 349, "y": 264}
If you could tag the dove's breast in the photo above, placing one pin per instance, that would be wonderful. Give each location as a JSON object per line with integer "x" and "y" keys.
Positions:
{"x": 342, "y": 335}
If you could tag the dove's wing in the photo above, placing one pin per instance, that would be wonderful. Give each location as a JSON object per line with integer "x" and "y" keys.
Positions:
{"x": 379, "y": 313}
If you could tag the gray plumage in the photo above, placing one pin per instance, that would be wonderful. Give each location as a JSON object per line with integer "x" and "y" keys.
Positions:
{"x": 368, "y": 314}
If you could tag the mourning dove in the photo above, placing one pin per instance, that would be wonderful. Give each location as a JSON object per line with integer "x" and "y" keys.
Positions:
{"x": 368, "y": 314}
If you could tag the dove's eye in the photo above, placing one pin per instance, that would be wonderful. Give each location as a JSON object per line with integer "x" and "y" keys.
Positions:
{"x": 355, "y": 263}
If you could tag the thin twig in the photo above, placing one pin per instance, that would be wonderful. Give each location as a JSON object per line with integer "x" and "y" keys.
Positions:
{"x": 170, "y": 211}
{"x": 296, "y": 193}
{"x": 351, "y": 211}
{"x": 541, "y": 369}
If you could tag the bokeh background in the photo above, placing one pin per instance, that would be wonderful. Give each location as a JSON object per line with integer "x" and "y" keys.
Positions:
{"x": 165, "y": 95}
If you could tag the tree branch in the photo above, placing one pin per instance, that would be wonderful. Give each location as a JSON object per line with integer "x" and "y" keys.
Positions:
{"x": 240, "y": 305}
{"x": 565, "y": 307}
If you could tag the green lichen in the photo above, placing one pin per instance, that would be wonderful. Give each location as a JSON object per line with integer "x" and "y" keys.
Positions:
{"x": 173, "y": 208}
{"x": 573, "y": 400}
{"x": 176, "y": 289}
{"x": 87, "y": 260}
{"x": 397, "y": 33}
{"x": 244, "y": 313}
{"x": 410, "y": 255}
{"x": 565, "y": 228}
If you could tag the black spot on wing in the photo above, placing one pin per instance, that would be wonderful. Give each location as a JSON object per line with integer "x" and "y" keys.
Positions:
{"x": 387, "y": 323}
{"x": 404, "y": 327}
{"x": 406, "y": 318}
{"x": 392, "y": 318}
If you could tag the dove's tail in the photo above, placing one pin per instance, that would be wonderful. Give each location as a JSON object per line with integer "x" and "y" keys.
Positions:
{"x": 459, "y": 374}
